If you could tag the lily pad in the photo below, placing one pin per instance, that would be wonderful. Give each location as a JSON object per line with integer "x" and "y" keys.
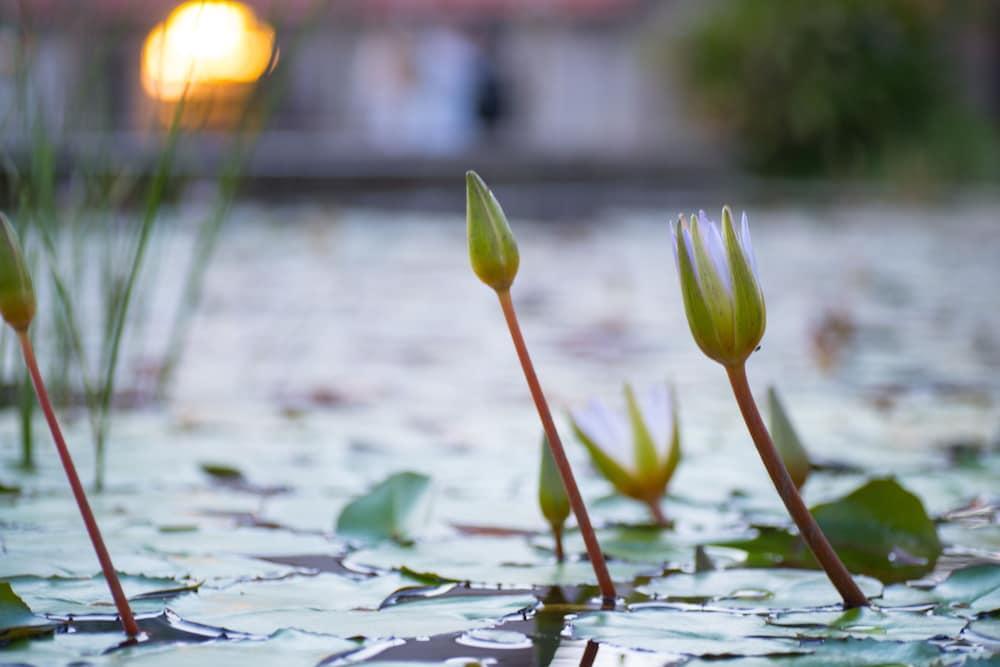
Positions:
{"x": 16, "y": 619}
{"x": 765, "y": 589}
{"x": 846, "y": 653}
{"x": 872, "y": 623}
{"x": 90, "y": 596}
{"x": 697, "y": 633}
{"x": 492, "y": 561}
{"x": 392, "y": 510}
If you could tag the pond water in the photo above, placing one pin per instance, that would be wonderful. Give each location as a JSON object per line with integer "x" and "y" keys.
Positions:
{"x": 336, "y": 347}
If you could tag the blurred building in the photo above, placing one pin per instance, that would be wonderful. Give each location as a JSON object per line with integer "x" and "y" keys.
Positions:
{"x": 364, "y": 84}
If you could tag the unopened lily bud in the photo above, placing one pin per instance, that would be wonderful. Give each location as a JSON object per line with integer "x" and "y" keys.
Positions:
{"x": 17, "y": 296}
{"x": 637, "y": 451}
{"x": 552, "y": 496}
{"x": 492, "y": 248}
{"x": 720, "y": 286}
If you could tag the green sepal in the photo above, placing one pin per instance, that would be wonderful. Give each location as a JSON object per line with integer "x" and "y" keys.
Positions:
{"x": 787, "y": 441}
{"x": 644, "y": 449}
{"x": 17, "y": 295}
{"x": 612, "y": 471}
{"x": 492, "y": 248}
{"x": 718, "y": 301}
{"x": 698, "y": 316}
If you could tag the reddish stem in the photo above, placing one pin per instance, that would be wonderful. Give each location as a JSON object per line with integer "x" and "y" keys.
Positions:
{"x": 559, "y": 454}
{"x": 657, "y": 512}
{"x": 557, "y": 535}
{"x": 810, "y": 531}
{"x": 124, "y": 611}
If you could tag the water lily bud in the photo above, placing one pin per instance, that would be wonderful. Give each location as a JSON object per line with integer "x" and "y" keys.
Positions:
{"x": 17, "y": 296}
{"x": 552, "y": 496}
{"x": 720, "y": 286}
{"x": 492, "y": 248}
{"x": 637, "y": 451}
{"x": 787, "y": 441}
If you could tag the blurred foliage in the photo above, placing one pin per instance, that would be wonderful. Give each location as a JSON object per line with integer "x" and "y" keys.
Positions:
{"x": 845, "y": 87}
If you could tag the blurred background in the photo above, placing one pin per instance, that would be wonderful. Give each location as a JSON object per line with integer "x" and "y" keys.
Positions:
{"x": 232, "y": 203}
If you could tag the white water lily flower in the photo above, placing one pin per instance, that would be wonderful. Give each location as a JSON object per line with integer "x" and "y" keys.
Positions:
{"x": 720, "y": 285}
{"x": 637, "y": 451}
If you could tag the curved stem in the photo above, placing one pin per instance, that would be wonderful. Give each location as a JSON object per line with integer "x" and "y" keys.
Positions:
{"x": 121, "y": 602}
{"x": 808, "y": 528}
{"x": 657, "y": 512}
{"x": 559, "y": 454}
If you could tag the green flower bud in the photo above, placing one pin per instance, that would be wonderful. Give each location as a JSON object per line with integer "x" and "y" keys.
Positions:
{"x": 637, "y": 451}
{"x": 552, "y": 496}
{"x": 720, "y": 286}
{"x": 787, "y": 441}
{"x": 492, "y": 248}
{"x": 17, "y": 296}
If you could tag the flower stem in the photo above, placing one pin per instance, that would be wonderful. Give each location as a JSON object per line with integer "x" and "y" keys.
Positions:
{"x": 559, "y": 454}
{"x": 557, "y": 536}
{"x": 810, "y": 531}
{"x": 657, "y": 512}
{"x": 124, "y": 611}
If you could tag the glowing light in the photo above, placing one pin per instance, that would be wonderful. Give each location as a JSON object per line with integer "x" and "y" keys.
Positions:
{"x": 205, "y": 45}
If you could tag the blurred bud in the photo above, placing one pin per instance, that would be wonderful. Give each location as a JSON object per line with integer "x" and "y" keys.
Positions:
{"x": 786, "y": 440}
{"x": 637, "y": 451}
{"x": 552, "y": 496}
{"x": 722, "y": 295}
{"x": 492, "y": 248}
{"x": 17, "y": 296}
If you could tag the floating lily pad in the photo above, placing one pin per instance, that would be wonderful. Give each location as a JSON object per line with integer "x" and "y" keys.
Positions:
{"x": 284, "y": 648}
{"x": 754, "y": 588}
{"x": 392, "y": 510}
{"x": 672, "y": 631}
{"x": 846, "y": 653}
{"x": 89, "y": 596}
{"x": 16, "y": 619}
{"x": 872, "y": 623}
{"x": 491, "y": 561}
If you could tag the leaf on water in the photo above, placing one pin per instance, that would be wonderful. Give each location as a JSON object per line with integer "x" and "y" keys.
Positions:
{"x": 754, "y": 589}
{"x": 393, "y": 510}
{"x": 787, "y": 441}
{"x": 491, "y": 561}
{"x": 222, "y": 471}
{"x": 880, "y": 530}
{"x": 284, "y": 648}
{"x": 882, "y": 625}
{"x": 846, "y": 653}
{"x": 673, "y": 631}
{"x": 91, "y": 596}
{"x": 976, "y": 587}
{"x": 16, "y": 619}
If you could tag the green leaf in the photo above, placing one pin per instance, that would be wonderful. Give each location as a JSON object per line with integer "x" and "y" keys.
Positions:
{"x": 881, "y": 529}
{"x": 672, "y": 631}
{"x": 392, "y": 510}
{"x": 222, "y": 471}
{"x": 847, "y": 653}
{"x": 552, "y": 496}
{"x": 754, "y": 588}
{"x": 16, "y": 619}
{"x": 976, "y": 587}
{"x": 864, "y": 622}
{"x": 786, "y": 440}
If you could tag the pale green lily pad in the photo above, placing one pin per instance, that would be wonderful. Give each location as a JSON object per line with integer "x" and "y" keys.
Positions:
{"x": 976, "y": 587}
{"x": 986, "y": 628}
{"x": 673, "y": 631}
{"x": 846, "y": 653}
{"x": 493, "y": 561}
{"x": 394, "y": 509}
{"x": 754, "y": 589}
{"x": 16, "y": 618}
{"x": 872, "y": 623}
{"x": 91, "y": 596}
{"x": 288, "y": 648}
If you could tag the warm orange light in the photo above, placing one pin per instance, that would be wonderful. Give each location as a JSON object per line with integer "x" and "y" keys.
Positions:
{"x": 205, "y": 44}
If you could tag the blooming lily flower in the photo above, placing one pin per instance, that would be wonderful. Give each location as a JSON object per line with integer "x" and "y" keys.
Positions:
{"x": 637, "y": 453}
{"x": 722, "y": 295}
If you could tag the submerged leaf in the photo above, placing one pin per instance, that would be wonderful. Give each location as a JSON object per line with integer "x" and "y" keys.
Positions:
{"x": 392, "y": 510}
{"x": 786, "y": 440}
